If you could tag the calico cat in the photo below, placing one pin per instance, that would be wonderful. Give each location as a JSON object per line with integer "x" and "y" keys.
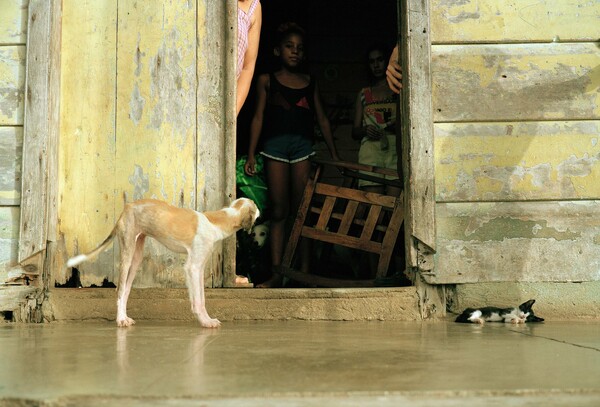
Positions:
{"x": 517, "y": 315}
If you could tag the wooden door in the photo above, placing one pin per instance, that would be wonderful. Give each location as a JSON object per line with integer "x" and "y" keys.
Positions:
{"x": 145, "y": 112}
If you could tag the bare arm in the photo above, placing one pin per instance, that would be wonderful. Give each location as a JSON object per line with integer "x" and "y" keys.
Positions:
{"x": 324, "y": 124}
{"x": 245, "y": 79}
{"x": 358, "y": 132}
{"x": 256, "y": 125}
{"x": 394, "y": 72}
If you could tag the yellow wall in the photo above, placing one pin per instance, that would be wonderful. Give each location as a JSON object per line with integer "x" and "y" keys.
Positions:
{"x": 516, "y": 126}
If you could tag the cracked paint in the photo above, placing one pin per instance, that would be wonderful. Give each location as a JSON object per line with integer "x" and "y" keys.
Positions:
{"x": 486, "y": 161}
{"x": 140, "y": 182}
{"x": 500, "y": 82}
{"x": 12, "y": 83}
{"x": 509, "y": 21}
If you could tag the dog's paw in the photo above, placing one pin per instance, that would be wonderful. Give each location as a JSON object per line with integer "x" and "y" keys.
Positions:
{"x": 210, "y": 323}
{"x": 125, "y": 322}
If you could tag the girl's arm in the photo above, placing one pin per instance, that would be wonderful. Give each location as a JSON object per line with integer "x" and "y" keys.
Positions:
{"x": 256, "y": 125}
{"x": 358, "y": 131}
{"x": 245, "y": 79}
{"x": 324, "y": 124}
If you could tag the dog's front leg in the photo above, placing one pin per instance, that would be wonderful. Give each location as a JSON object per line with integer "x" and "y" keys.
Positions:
{"x": 194, "y": 270}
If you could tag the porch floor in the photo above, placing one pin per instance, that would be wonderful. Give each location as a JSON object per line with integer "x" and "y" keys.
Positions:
{"x": 295, "y": 362}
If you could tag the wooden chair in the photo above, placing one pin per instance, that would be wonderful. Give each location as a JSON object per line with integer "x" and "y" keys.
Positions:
{"x": 330, "y": 214}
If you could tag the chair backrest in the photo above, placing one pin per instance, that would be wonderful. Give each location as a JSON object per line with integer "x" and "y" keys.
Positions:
{"x": 348, "y": 217}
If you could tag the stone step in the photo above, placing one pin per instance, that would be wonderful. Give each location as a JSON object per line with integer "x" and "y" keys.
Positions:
{"x": 228, "y": 304}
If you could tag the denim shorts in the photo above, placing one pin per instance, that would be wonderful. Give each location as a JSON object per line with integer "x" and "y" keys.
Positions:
{"x": 288, "y": 148}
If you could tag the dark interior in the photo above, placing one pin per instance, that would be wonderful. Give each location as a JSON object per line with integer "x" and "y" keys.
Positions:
{"x": 338, "y": 35}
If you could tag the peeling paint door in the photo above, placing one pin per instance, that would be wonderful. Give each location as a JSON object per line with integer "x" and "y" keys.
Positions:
{"x": 142, "y": 117}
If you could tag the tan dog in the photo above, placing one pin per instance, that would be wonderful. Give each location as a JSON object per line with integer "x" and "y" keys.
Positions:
{"x": 180, "y": 230}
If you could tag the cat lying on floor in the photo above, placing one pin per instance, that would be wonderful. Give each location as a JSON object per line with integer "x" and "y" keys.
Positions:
{"x": 517, "y": 315}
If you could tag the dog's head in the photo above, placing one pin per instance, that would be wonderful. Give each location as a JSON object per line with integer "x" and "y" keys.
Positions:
{"x": 260, "y": 234}
{"x": 247, "y": 211}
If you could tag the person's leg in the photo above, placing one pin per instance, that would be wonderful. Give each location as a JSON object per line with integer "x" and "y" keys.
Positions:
{"x": 300, "y": 171}
{"x": 277, "y": 173}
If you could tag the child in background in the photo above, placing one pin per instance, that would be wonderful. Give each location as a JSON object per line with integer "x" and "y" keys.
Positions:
{"x": 249, "y": 23}
{"x": 375, "y": 121}
{"x": 288, "y": 101}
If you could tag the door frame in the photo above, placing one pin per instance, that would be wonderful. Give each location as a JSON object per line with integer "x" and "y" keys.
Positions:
{"x": 416, "y": 113}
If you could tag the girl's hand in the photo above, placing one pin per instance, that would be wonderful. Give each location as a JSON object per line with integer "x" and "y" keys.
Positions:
{"x": 394, "y": 76}
{"x": 250, "y": 166}
{"x": 374, "y": 133}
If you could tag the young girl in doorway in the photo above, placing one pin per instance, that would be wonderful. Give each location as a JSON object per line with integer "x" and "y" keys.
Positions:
{"x": 375, "y": 121}
{"x": 288, "y": 101}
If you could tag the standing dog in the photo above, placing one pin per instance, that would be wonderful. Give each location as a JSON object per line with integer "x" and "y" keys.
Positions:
{"x": 180, "y": 230}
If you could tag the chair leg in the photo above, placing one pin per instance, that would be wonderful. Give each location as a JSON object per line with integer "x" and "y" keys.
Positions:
{"x": 292, "y": 244}
{"x": 387, "y": 246}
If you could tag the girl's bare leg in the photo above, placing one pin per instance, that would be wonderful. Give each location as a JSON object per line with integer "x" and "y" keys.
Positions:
{"x": 300, "y": 172}
{"x": 277, "y": 173}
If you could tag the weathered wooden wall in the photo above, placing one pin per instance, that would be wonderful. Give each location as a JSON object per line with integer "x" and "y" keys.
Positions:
{"x": 13, "y": 36}
{"x": 517, "y": 121}
{"x": 135, "y": 82}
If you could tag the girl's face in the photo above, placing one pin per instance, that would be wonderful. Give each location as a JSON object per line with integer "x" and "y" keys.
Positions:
{"x": 291, "y": 51}
{"x": 377, "y": 63}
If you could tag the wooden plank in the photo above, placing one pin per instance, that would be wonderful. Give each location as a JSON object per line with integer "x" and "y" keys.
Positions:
{"x": 9, "y": 235}
{"x": 12, "y": 84}
{"x": 514, "y": 21}
{"x": 371, "y": 222}
{"x": 344, "y": 240}
{"x": 516, "y": 82}
{"x": 156, "y": 117}
{"x": 11, "y": 153}
{"x": 355, "y": 195}
{"x": 519, "y": 241}
{"x": 417, "y": 128}
{"x": 34, "y": 199}
{"x": 13, "y": 22}
{"x": 346, "y": 220}
{"x": 325, "y": 213}
{"x": 216, "y": 120}
{"x": 517, "y": 161}
{"x": 87, "y": 174}
{"x": 54, "y": 83}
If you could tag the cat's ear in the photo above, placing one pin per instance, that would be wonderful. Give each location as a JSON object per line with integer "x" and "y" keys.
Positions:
{"x": 526, "y": 306}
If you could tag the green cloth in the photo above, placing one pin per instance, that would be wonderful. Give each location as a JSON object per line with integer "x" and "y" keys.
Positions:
{"x": 254, "y": 187}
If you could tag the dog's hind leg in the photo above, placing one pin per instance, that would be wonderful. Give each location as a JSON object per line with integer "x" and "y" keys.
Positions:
{"x": 128, "y": 243}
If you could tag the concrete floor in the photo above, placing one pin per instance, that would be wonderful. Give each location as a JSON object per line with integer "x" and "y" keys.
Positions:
{"x": 293, "y": 363}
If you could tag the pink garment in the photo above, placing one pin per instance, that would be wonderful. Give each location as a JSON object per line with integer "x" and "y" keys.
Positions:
{"x": 244, "y": 23}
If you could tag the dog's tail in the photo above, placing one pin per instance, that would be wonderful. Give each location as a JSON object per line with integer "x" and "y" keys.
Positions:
{"x": 74, "y": 261}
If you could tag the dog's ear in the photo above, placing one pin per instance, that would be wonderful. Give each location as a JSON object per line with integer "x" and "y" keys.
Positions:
{"x": 248, "y": 216}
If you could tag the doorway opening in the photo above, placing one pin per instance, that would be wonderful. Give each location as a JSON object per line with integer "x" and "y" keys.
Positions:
{"x": 338, "y": 36}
